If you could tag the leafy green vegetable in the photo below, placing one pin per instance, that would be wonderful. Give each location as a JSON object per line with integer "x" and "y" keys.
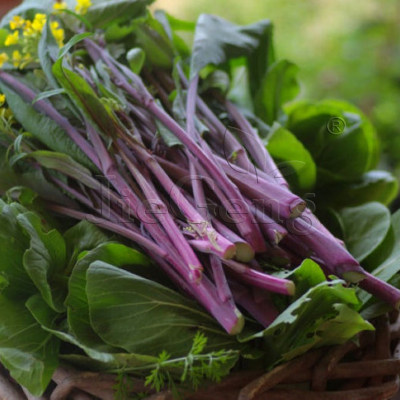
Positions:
{"x": 339, "y": 157}
{"x": 278, "y": 86}
{"x": 137, "y": 314}
{"x": 28, "y": 352}
{"x": 326, "y": 314}
{"x": 285, "y": 148}
{"x": 77, "y": 301}
{"x": 43, "y": 128}
{"x": 217, "y": 40}
{"x": 365, "y": 227}
{"x": 45, "y": 259}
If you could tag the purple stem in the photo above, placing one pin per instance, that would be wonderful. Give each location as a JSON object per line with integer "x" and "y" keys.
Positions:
{"x": 381, "y": 289}
{"x": 281, "y": 202}
{"x": 272, "y": 230}
{"x": 230, "y": 143}
{"x": 224, "y": 292}
{"x": 259, "y": 279}
{"x": 226, "y": 314}
{"x": 336, "y": 258}
{"x": 263, "y": 311}
{"x": 215, "y": 242}
{"x": 138, "y": 91}
{"x": 254, "y": 144}
{"x": 162, "y": 214}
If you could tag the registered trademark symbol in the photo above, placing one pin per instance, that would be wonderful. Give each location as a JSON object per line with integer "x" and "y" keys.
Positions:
{"x": 336, "y": 125}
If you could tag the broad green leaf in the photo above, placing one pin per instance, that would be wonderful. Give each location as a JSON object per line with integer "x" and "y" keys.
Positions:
{"x": 112, "y": 362}
{"x": 104, "y": 12}
{"x": 278, "y": 86}
{"x": 285, "y": 148}
{"x": 325, "y": 315}
{"x": 391, "y": 266}
{"x": 217, "y": 40}
{"x": 44, "y": 260}
{"x": 78, "y": 311}
{"x": 140, "y": 315}
{"x": 84, "y": 236}
{"x": 364, "y": 228}
{"x": 26, "y": 350}
{"x": 14, "y": 243}
{"x": 340, "y": 156}
{"x": 379, "y": 186}
{"x": 307, "y": 275}
{"x": 152, "y": 38}
{"x": 43, "y": 128}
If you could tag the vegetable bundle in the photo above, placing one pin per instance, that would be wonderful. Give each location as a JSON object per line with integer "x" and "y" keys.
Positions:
{"x": 124, "y": 128}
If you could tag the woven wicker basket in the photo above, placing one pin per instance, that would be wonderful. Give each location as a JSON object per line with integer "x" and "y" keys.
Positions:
{"x": 364, "y": 371}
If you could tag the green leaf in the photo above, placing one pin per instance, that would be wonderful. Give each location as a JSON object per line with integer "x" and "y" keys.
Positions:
{"x": 152, "y": 38}
{"x": 87, "y": 101}
{"x": 325, "y": 315}
{"x": 47, "y": 51}
{"x": 379, "y": 186}
{"x": 13, "y": 246}
{"x": 72, "y": 42}
{"x": 388, "y": 269}
{"x": 77, "y": 303}
{"x": 339, "y": 157}
{"x": 140, "y": 315}
{"x": 365, "y": 227}
{"x": 136, "y": 58}
{"x": 217, "y": 40}
{"x": 285, "y": 148}
{"x": 104, "y": 12}
{"x": 43, "y": 128}
{"x": 65, "y": 164}
{"x": 26, "y": 350}
{"x": 278, "y": 86}
{"x": 171, "y": 25}
{"x": 169, "y": 138}
{"x": 84, "y": 236}
{"x": 45, "y": 259}
{"x": 49, "y": 93}
{"x": 307, "y": 275}
{"x": 96, "y": 360}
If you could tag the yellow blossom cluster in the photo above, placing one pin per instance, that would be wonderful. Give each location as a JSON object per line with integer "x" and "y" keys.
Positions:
{"x": 24, "y": 37}
{"x": 6, "y": 115}
{"x": 82, "y": 6}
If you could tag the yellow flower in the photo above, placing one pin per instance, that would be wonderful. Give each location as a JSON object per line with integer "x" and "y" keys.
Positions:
{"x": 2, "y": 99}
{"x": 39, "y": 22}
{"x": 28, "y": 29}
{"x": 60, "y": 6}
{"x": 82, "y": 6}
{"x": 12, "y": 38}
{"x": 3, "y": 58}
{"x": 17, "y": 22}
{"x": 16, "y": 58}
{"x": 58, "y": 33}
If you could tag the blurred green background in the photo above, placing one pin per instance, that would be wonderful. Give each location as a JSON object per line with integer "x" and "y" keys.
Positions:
{"x": 345, "y": 49}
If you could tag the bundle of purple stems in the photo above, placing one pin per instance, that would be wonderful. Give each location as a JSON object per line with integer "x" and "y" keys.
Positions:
{"x": 209, "y": 212}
